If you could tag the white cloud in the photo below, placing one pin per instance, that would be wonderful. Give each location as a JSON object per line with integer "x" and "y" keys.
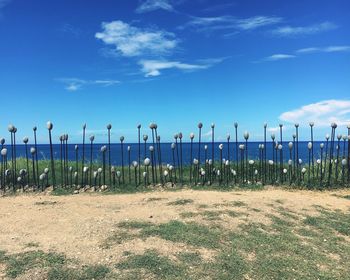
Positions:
{"x": 337, "y": 49}
{"x": 304, "y": 30}
{"x": 279, "y": 56}
{"x": 323, "y": 113}
{"x": 133, "y": 41}
{"x": 256, "y": 22}
{"x": 308, "y": 50}
{"x": 74, "y": 84}
{"x": 329, "y": 49}
{"x": 152, "y": 68}
{"x": 106, "y": 83}
{"x": 213, "y": 60}
{"x": 208, "y": 135}
{"x": 230, "y": 23}
{"x": 152, "y": 5}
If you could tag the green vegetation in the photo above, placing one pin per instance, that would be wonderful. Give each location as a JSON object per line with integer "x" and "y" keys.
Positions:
{"x": 158, "y": 265}
{"x": 151, "y": 199}
{"x": 66, "y": 182}
{"x": 45, "y": 202}
{"x": 291, "y": 247}
{"x": 91, "y": 272}
{"x": 181, "y": 202}
{"x": 32, "y": 244}
{"x": 54, "y": 266}
{"x": 18, "y": 264}
{"x": 176, "y": 231}
{"x": 211, "y": 215}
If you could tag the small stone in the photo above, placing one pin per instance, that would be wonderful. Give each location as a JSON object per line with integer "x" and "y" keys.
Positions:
{"x": 76, "y": 192}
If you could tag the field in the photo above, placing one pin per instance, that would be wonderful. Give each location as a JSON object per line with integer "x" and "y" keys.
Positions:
{"x": 186, "y": 234}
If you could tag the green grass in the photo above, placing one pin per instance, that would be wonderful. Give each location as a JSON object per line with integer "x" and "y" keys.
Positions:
{"x": 238, "y": 204}
{"x": 160, "y": 266}
{"x": 17, "y": 264}
{"x": 291, "y": 247}
{"x": 119, "y": 238}
{"x": 188, "y": 214}
{"x": 189, "y": 233}
{"x": 96, "y": 272}
{"x": 203, "y": 206}
{"x": 181, "y": 202}
{"x": 54, "y": 266}
{"x": 32, "y": 244}
{"x": 151, "y": 199}
{"x": 45, "y": 202}
{"x": 210, "y": 215}
{"x": 331, "y": 222}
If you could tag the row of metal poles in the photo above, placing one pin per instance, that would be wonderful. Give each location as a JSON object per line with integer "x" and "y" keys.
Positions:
{"x": 236, "y": 168}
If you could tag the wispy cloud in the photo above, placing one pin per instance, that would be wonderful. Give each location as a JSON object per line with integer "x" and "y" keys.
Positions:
{"x": 276, "y": 129}
{"x": 212, "y": 60}
{"x": 323, "y": 113}
{"x": 74, "y": 84}
{"x": 329, "y": 49}
{"x": 69, "y": 28}
{"x": 256, "y": 22}
{"x": 276, "y": 57}
{"x": 152, "y": 68}
{"x": 3, "y": 3}
{"x": 230, "y": 23}
{"x": 304, "y": 30}
{"x": 133, "y": 41}
{"x": 208, "y": 135}
{"x": 305, "y": 51}
{"x": 152, "y": 5}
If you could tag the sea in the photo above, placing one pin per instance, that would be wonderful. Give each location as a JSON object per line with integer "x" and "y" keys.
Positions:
{"x": 228, "y": 151}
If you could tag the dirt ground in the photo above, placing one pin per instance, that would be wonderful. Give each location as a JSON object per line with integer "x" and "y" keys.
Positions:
{"x": 77, "y": 225}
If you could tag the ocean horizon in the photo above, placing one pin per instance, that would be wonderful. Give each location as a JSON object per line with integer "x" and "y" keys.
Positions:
{"x": 166, "y": 152}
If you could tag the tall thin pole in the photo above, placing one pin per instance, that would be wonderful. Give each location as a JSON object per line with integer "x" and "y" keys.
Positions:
{"x": 139, "y": 154}
{"x": 36, "y": 148}
{"x": 200, "y": 125}
{"x": 264, "y": 153}
{"x": 212, "y": 142}
{"x": 109, "y": 126}
{"x": 15, "y": 155}
{"x": 331, "y": 151}
{"x": 83, "y": 156}
{"x": 191, "y": 156}
{"x": 122, "y": 154}
{"x": 49, "y": 127}
{"x": 236, "y": 133}
{"x": 297, "y": 151}
{"x": 159, "y": 155}
{"x": 92, "y": 138}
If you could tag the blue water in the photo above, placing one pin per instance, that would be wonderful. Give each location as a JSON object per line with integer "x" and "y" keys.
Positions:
{"x": 253, "y": 151}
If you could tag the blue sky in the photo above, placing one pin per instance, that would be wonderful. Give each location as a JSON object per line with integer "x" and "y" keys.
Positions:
{"x": 173, "y": 62}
